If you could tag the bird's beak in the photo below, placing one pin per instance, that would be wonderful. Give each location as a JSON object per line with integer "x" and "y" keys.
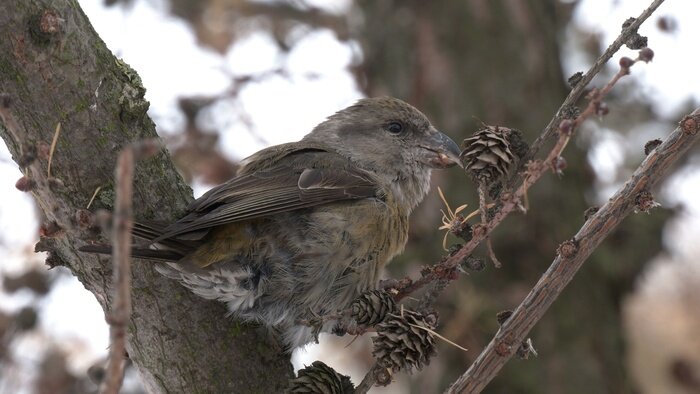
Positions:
{"x": 439, "y": 151}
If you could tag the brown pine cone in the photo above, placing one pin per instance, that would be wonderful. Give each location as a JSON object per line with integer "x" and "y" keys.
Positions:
{"x": 319, "y": 378}
{"x": 372, "y": 307}
{"x": 403, "y": 343}
{"x": 487, "y": 155}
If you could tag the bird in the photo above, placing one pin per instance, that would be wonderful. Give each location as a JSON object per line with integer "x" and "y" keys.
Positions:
{"x": 306, "y": 227}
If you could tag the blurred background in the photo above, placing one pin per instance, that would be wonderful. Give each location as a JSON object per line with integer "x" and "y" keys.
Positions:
{"x": 226, "y": 78}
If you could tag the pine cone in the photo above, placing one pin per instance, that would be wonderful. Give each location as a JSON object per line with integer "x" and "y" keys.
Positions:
{"x": 322, "y": 379}
{"x": 372, "y": 307}
{"x": 403, "y": 343}
{"x": 487, "y": 154}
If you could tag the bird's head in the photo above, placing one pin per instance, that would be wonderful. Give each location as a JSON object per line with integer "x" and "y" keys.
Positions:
{"x": 392, "y": 139}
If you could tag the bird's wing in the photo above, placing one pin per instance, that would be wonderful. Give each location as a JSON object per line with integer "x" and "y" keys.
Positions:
{"x": 281, "y": 188}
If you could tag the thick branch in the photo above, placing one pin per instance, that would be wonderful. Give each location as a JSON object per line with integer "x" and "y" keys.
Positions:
{"x": 54, "y": 68}
{"x": 572, "y": 255}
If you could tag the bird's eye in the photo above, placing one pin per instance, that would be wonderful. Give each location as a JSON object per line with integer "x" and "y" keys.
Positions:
{"x": 394, "y": 127}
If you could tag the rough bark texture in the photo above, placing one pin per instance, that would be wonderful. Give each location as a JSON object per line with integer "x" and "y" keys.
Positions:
{"x": 54, "y": 68}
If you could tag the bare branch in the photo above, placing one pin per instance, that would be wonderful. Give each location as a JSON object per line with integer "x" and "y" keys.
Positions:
{"x": 579, "y": 88}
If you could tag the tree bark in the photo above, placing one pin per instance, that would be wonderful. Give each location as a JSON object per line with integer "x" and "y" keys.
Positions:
{"x": 54, "y": 68}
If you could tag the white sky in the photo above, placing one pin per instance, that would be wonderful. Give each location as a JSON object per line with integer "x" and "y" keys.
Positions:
{"x": 171, "y": 64}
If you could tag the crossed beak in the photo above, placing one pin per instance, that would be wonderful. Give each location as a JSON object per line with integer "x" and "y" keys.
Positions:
{"x": 439, "y": 151}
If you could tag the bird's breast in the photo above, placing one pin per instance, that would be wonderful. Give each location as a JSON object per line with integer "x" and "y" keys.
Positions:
{"x": 345, "y": 248}
{"x": 366, "y": 230}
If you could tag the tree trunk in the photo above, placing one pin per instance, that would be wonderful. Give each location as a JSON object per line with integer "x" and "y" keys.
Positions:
{"x": 55, "y": 69}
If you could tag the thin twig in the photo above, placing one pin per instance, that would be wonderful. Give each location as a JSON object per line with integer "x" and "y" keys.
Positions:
{"x": 368, "y": 381}
{"x": 572, "y": 255}
{"x": 121, "y": 260}
{"x": 492, "y": 254}
{"x": 580, "y": 87}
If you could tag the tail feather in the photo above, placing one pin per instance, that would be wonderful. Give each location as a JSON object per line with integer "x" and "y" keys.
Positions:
{"x": 150, "y": 230}
{"x": 174, "y": 249}
{"x": 142, "y": 253}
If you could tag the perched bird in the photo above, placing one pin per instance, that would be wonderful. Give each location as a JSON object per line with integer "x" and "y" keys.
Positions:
{"x": 305, "y": 227}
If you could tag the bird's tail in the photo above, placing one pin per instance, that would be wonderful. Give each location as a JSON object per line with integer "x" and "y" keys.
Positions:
{"x": 170, "y": 249}
{"x": 141, "y": 253}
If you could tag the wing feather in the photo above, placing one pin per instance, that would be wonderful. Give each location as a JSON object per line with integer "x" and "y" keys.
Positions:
{"x": 284, "y": 187}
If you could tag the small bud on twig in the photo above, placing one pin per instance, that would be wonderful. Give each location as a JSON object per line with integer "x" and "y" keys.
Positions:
{"x": 644, "y": 202}
{"x": 635, "y": 40}
{"x": 626, "y": 62}
{"x": 382, "y": 376}
{"x": 651, "y": 145}
{"x": 590, "y": 212}
{"x": 570, "y": 112}
{"x": 575, "y": 79}
{"x": 690, "y": 124}
{"x": 566, "y": 126}
{"x": 25, "y": 184}
{"x": 503, "y": 316}
{"x": 646, "y": 55}
{"x": 568, "y": 249}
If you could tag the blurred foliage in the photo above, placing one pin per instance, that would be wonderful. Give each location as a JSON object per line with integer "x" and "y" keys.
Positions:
{"x": 218, "y": 23}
